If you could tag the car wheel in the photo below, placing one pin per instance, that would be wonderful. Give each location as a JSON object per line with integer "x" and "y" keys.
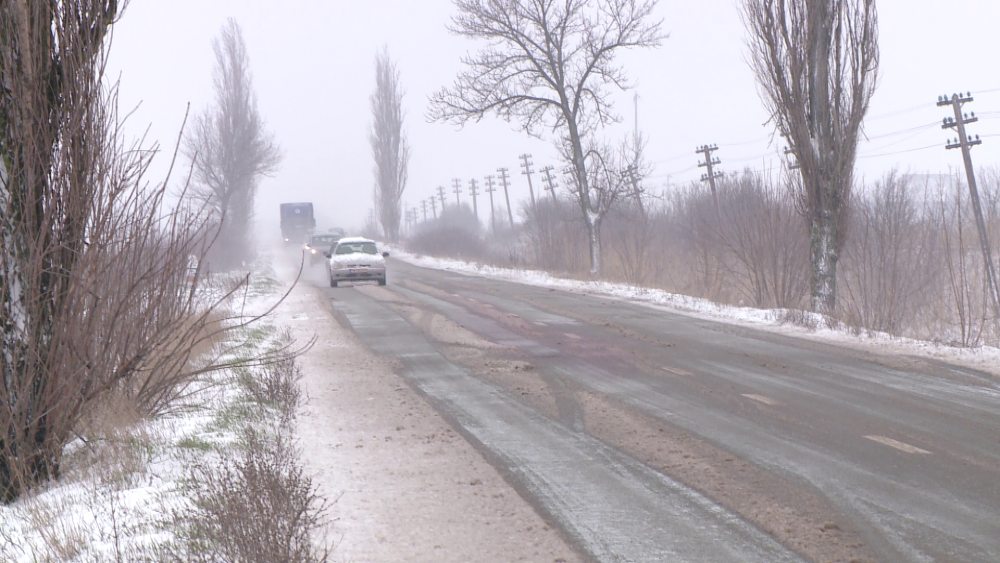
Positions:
{"x": 381, "y": 280}
{"x": 333, "y": 282}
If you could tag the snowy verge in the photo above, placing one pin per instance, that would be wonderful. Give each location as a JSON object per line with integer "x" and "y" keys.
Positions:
{"x": 121, "y": 491}
{"x": 808, "y": 325}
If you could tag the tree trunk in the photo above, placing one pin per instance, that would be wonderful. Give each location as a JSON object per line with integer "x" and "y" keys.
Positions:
{"x": 823, "y": 256}
{"x": 591, "y": 219}
{"x": 594, "y": 238}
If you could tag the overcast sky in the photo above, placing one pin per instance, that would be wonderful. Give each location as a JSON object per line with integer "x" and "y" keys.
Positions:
{"x": 312, "y": 63}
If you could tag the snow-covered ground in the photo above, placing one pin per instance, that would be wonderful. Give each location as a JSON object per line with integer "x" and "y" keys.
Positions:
{"x": 119, "y": 490}
{"x": 986, "y": 358}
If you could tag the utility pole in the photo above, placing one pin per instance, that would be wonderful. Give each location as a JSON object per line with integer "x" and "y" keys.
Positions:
{"x": 792, "y": 164}
{"x": 441, "y": 195}
{"x": 423, "y": 203}
{"x": 434, "y": 207}
{"x": 472, "y": 190}
{"x": 965, "y": 143}
{"x": 549, "y": 182}
{"x": 490, "y": 189}
{"x": 505, "y": 183}
{"x": 456, "y": 184}
{"x": 711, "y": 176}
{"x": 526, "y": 164}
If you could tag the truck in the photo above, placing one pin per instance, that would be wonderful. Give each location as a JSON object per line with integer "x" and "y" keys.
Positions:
{"x": 297, "y": 222}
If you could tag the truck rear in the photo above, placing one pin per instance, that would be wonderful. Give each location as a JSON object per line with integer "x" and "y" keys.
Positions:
{"x": 297, "y": 222}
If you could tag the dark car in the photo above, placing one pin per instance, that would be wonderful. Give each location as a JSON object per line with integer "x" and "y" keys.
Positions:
{"x": 319, "y": 244}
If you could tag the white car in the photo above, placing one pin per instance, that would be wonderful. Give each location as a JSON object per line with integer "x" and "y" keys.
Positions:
{"x": 356, "y": 259}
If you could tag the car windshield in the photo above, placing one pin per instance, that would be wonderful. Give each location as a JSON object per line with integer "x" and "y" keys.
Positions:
{"x": 352, "y": 247}
{"x": 325, "y": 240}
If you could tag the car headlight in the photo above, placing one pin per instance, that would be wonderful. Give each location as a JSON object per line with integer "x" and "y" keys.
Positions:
{"x": 314, "y": 251}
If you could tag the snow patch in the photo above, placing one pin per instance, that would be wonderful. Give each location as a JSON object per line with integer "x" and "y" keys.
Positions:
{"x": 986, "y": 358}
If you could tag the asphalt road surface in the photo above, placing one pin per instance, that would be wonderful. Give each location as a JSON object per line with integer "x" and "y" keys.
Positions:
{"x": 650, "y": 436}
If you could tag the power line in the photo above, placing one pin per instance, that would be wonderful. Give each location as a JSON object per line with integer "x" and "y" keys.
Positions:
{"x": 938, "y": 145}
{"x": 894, "y": 113}
{"x": 903, "y": 131}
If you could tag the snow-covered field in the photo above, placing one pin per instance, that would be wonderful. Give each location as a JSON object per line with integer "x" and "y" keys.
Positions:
{"x": 808, "y": 325}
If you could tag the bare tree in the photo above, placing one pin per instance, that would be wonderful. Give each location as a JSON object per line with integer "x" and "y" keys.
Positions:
{"x": 390, "y": 148}
{"x": 96, "y": 294}
{"x": 48, "y": 53}
{"x": 230, "y": 148}
{"x": 816, "y": 62}
{"x": 549, "y": 64}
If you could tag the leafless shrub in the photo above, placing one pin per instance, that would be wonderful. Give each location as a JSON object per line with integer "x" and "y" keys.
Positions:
{"x": 456, "y": 233}
{"x": 690, "y": 225}
{"x": 276, "y": 383}
{"x": 798, "y": 317}
{"x": 630, "y": 230}
{"x": 257, "y": 508}
{"x": 887, "y": 257}
{"x": 559, "y": 236}
{"x": 966, "y": 285}
{"x": 508, "y": 247}
{"x": 765, "y": 241}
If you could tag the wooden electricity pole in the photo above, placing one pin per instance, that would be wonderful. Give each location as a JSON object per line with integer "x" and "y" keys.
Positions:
{"x": 711, "y": 176}
{"x": 526, "y": 164}
{"x": 505, "y": 183}
{"x": 434, "y": 207}
{"x": 456, "y": 184}
{"x": 965, "y": 143}
{"x": 474, "y": 192}
{"x": 549, "y": 183}
{"x": 441, "y": 195}
{"x": 423, "y": 203}
{"x": 490, "y": 189}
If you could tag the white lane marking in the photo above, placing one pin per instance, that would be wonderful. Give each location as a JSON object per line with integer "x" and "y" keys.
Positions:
{"x": 901, "y": 446}
{"x": 761, "y": 399}
{"x": 539, "y": 323}
{"x": 675, "y": 371}
{"x": 573, "y": 336}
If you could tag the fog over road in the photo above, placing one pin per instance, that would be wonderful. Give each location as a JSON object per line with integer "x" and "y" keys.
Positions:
{"x": 651, "y": 436}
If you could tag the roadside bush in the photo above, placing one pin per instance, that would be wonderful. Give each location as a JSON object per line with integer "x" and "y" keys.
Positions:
{"x": 456, "y": 233}
{"x": 276, "y": 382}
{"x": 886, "y": 268}
{"x": 257, "y": 508}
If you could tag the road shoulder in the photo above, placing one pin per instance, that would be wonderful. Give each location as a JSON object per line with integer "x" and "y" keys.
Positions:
{"x": 407, "y": 487}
